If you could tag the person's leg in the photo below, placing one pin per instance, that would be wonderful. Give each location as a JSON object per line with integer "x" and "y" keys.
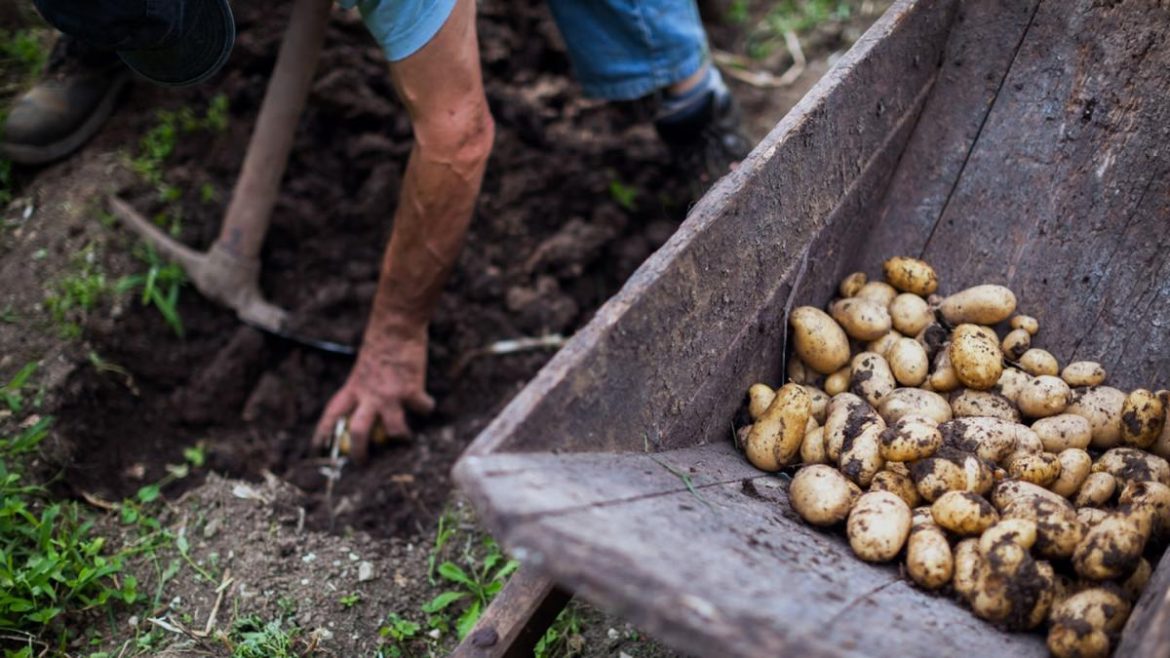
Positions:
{"x": 66, "y": 107}
{"x": 629, "y": 49}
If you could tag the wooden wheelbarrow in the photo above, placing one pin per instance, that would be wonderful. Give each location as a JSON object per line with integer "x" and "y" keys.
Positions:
{"x": 1023, "y": 142}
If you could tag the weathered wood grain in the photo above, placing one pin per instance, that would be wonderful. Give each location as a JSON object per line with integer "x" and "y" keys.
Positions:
{"x": 722, "y": 280}
{"x": 1147, "y": 633}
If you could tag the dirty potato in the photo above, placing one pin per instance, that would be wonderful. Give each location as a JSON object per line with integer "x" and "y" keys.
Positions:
{"x": 760, "y": 396}
{"x": 1058, "y": 531}
{"x": 1150, "y": 497}
{"x": 838, "y": 382}
{"x": 1015, "y": 344}
{"x": 985, "y": 304}
{"x": 1142, "y": 418}
{"x": 821, "y": 495}
{"x": 967, "y": 565}
{"x": 878, "y": 526}
{"x": 871, "y": 377}
{"x": 910, "y": 314}
{"x": 776, "y": 437}
{"x": 1040, "y": 469}
{"x": 1026, "y": 322}
{"x": 1011, "y": 382}
{"x": 977, "y": 360}
{"x": 1082, "y": 623}
{"x": 847, "y": 416}
{"x": 963, "y": 513}
{"x": 820, "y": 403}
{"x": 929, "y": 560}
{"x": 851, "y": 284}
{"x": 861, "y": 457}
{"x": 1038, "y": 362}
{"x": 1096, "y": 490}
{"x": 903, "y": 402}
{"x": 1091, "y": 516}
{"x": 1075, "y": 467}
{"x": 1133, "y": 586}
{"x": 862, "y": 319}
{"x": 967, "y": 403}
{"x": 883, "y": 344}
{"x": 899, "y": 484}
{"x": 819, "y": 341}
{"x": 1130, "y": 464}
{"x": 1161, "y": 446}
{"x": 910, "y": 275}
{"x": 1083, "y": 373}
{"x": 992, "y": 439}
{"x": 1044, "y": 396}
{"x": 1101, "y": 406}
{"x": 910, "y": 439}
{"x": 908, "y": 362}
{"x": 1112, "y": 548}
{"x": 1063, "y": 431}
{"x": 812, "y": 448}
{"x": 878, "y": 291}
{"x": 943, "y": 379}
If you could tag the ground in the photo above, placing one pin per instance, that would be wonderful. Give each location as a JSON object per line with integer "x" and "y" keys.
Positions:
{"x": 578, "y": 193}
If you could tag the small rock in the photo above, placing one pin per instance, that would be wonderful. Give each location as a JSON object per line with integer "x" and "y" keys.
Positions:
{"x": 612, "y": 634}
{"x": 365, "y": 572}
{"x": 435, "y": 633}
{"x": 623, "y": 654}
{"x": 212, "y": 528}
{"x": 309, "y": 557}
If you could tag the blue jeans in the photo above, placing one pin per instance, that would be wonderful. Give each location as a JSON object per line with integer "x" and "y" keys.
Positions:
{"x": 620, "y": 49}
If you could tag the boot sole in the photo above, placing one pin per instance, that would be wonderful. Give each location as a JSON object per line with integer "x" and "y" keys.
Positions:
{"x": 25, "y": 154}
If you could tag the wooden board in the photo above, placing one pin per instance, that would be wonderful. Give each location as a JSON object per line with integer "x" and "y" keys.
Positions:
{"x": 965, "y": 134}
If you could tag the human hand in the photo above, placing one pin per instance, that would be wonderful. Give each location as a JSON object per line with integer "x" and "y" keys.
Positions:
{"x": 388, "y": 378}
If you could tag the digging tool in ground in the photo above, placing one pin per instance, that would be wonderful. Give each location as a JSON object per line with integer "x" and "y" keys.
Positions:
{"x": 228, "y": 273}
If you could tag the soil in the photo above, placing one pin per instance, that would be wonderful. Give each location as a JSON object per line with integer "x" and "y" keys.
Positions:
{"x": 549, "y": 244}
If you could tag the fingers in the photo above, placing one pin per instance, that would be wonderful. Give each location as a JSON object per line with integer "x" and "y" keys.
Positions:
{"x": 394, "y": 422}
{"x": 361, "y": 423}
{"x": 420, "y": 403}
{"x": 340, "y": 405}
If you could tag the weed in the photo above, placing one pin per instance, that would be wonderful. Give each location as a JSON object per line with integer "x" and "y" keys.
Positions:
{"x": 157, "y": 145}
{"x": 77, "y": 292}
{"x": 8, "y": 315}
{"x": 252, "y": 637}
{"x": 448, "y": 523}
{"x": 350, "y": 600}
{"x": 13, "y": 393}
{"x": 797, "y": 16}
{"x": 477, "y": 585}
{"x": 737, "y": 12}
{"x": 399, "y": 632}
{"x": 563, "y": 638}
{"x": 22, "y": 52}
{"x": 160, "y": 286}
{"x": 624, "y": 195}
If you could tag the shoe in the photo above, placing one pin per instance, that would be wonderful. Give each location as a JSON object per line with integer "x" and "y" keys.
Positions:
{"x": 706, "y": 144}
{"x": 74, "y": 96}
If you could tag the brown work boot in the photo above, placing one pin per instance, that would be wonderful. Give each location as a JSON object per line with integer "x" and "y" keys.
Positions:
{"x": 66, "y": 107}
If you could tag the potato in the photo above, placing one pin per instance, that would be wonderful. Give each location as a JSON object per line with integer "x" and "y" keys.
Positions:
{"x": 871, "y": 377}
{"x": 1101, "y": 406}
{"x": 821, "y": 495}
{"x": 1151, "y": 497}
{"x": 1063, "y": 431}
{"x": 1091, "y": 516}
{"x": 992, "y": 439}
{"x": 967, "y": 403}
{"x": 1161, "y": 446}
{"x": 812, "y": 448}
{"x": 1018, "y": 599}
{"x": 800, "y": 373}
{"x": 851, "y": 284}
{"x": 1081, "y": 624}
{"x": 878, "y": 526}
{"x": 1038, "y": 362}
{"x": 838, "y": 382}
{"x": 1112, "y": 548}
{"x": 1129, "y": 464}
{"x": 1019, "y": 533}
{"x": 1041, "y": 469}
{"x": 985, "y": 304}
{"x": 899, "y": 484}
{"x": 776, "y": 437}
{"x": 967, "y": 565}
{"x": 977, "y": 360}
{"x": 759, "y": 397}
{"x": 910, "y": 275}
{"x": 910, "y": 439}
{"x": 929, "y": 560}
{"x": 903, "y": 402}
{"x": 847, "y": 415}
{"x": 935, "y": 476}
{"x": 820, "y": 403}
{"x": 819, "y": 341}
{"x": 1011, "y": 382}
{"x": 1027, "y": 323}
{"x": 1097, "y": 489}
{"x": 910, "y": 314}
{"x": 878, "y": 291}
{"x": 943, "y": 379}
{"x": 898, "y": 467}
{"x": 883, "y": 344}
{"x": 1083, "y": 373}
{"x": 1133, "y": 586}
{"x": 908, "y": 362}
{"x": 1044, "y": 396}
{"x": 1058, "y": 531}
{"x": 862, "y": 319}
{"x": 1142, "y": 418}
{"x": 963, "y": 513}
{"x": 861, "y": 457}
{"x": 1075, "y": 467}
{"x": 1015, "y": 344}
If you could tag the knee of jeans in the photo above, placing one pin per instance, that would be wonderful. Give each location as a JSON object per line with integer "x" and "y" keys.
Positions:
{"x": 461, "y": 137}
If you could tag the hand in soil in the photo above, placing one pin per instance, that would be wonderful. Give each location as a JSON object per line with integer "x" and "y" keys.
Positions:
{"x": 388, "y": 378}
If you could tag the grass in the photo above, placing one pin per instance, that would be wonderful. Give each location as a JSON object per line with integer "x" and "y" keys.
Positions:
{"x": 253, "y": 637}
{"x": 159, "y": 286}
{"x": 14, "y": 392}
{"x": 797, "y": 16}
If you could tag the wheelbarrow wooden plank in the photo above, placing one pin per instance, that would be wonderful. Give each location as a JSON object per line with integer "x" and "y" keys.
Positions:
{"x": 827, "y": 160}
{"x": 777, "y": 586}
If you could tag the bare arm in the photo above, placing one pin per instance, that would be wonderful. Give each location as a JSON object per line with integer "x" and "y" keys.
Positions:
{"x": 442, "y": 89}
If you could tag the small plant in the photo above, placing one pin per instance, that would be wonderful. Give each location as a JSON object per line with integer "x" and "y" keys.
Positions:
{"x": 160, "y": 286}
{"x": 78, "y": 292}
{"x": 796, "y": 16}
{"x": 157, "y": 145}
{"x": 399, "y": 632}
{"x": 252, "y": 637}
{"x": 448, "y": 523}
{"x": 737, "y": 12}
{"x": 624, "y": 195}
{"x": 13, "y": 392}
{"x": 563, "y": 638}
{"x": 477, "y": 585}
{"x": 350, "y": 600}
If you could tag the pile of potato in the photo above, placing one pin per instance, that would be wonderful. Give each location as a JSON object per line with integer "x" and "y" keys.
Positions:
{"x": 1030, "y": 490}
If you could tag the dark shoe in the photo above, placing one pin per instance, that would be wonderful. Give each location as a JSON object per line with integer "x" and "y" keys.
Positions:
{"x": 66, "y": 107}
{"x": 707, "y": 144}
